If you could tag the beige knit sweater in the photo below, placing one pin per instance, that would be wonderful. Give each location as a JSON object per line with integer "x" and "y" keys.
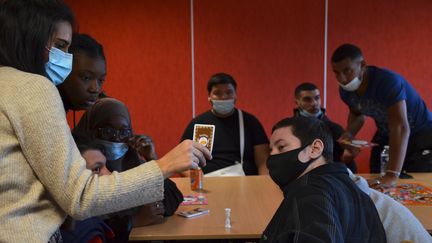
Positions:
{"x": 42, "y": 175}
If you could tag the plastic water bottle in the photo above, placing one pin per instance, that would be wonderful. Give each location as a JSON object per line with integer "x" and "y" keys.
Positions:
{"x": 384, "y": 159}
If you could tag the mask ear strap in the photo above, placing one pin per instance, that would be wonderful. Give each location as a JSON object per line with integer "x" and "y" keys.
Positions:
{"x": 301, "y": 149}
{"x": 312, "y": 160}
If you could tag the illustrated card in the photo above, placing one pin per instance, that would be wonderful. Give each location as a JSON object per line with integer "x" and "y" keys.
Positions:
{"x": 197, "y": 199}
{"x": 358, "y": 143}
{"x": 410, "y": 194}
{"x": 194, "y": 212}
{"x": 204, "y": 134}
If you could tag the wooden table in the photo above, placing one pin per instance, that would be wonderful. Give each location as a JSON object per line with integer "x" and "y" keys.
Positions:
{"x": 423, "y": 213}
{"x": 252, "y": 199}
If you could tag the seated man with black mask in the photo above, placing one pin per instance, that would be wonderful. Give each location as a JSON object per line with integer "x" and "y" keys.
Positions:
{"x": 321, "y": 203}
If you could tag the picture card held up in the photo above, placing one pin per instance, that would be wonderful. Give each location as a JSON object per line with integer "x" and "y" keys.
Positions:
{"x": 204, "y": 134}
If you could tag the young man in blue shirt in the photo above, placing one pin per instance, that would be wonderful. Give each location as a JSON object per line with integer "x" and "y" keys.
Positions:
{"x": 401, "y": 116}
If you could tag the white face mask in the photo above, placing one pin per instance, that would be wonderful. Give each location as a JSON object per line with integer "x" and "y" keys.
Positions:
{"x": 305, "y": 113}
{"x": 223, "y": 107}
{"x": 353, "y": 85}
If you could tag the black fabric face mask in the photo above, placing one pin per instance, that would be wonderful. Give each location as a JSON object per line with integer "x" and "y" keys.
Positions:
{"x": 286, "y": 167}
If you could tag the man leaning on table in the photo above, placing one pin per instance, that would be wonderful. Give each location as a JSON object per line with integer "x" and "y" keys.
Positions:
{"x": 321, "y": 203}
{"x": 403, "y": 121}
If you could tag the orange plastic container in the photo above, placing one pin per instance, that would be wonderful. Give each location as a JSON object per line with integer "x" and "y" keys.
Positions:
{"x": 196, "y": 176}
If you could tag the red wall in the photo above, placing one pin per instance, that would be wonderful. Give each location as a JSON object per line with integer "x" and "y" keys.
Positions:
{"x": 147, "y": 46}
{"x": 264, "y": 47}
{"x": 268, "y": 46}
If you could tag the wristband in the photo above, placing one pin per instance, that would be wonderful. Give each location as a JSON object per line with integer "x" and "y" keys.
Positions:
{"x": 397, "y": 173}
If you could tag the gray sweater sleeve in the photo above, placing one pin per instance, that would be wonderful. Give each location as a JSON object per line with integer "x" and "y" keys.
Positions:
{"x": 39, "y": 121}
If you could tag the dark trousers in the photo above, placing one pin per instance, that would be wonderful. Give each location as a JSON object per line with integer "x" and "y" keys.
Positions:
{"x": 418, "y": 157}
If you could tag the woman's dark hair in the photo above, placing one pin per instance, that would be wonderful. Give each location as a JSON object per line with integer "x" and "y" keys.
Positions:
{"x": 221, "y": 78}
{"x": 307, "y": 129}
{"x": 25, "y": 29}
{"x": 83, "y": 43}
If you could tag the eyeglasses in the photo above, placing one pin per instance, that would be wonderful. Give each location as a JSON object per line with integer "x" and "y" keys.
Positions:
{"x": 109, "y": 133}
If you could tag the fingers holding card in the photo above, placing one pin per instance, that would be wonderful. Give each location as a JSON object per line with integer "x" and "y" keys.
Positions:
{"x": 204, "y": 134}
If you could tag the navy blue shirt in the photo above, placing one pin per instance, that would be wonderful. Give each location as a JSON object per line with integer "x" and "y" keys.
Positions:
{"x": 384, "y": 89}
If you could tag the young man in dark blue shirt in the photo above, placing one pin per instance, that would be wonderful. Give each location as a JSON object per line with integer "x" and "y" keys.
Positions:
{"x": 401, "y": 116}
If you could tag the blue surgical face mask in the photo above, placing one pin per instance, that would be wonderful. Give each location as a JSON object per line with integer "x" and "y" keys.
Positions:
{"x": 59, "y": 65}
{"x": 305, "y": 113}
{"x": 113, "y": 151}
{"x": 223, "y": 107}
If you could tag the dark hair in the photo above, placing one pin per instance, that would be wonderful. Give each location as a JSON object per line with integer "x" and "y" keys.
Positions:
{"x": 25, "y": 29}
{"x": 307, "y": 130}
{"x": 221, "y": 78}
{"x": 346, "y": 51}
{"x": 83, "y": 43}
{"x": 304, "y": 87}
{"x": 86, "y": 142}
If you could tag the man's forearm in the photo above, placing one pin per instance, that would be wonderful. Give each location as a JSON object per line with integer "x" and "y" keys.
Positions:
{"x": 398, "y": 143}
{"x": 355, "y": 123}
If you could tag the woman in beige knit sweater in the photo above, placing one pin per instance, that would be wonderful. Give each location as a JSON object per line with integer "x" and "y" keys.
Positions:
{"x": 43, "y": 176}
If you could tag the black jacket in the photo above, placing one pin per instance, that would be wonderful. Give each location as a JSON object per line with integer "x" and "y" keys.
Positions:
{"x": 324, "y": 205}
